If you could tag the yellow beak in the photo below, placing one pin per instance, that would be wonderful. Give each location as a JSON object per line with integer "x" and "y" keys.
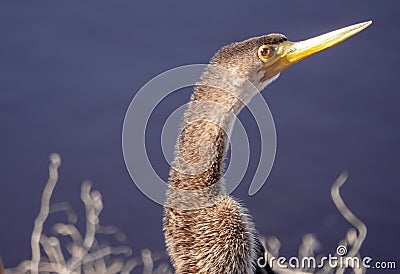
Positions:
{"x": 297, "y": 51}
{"x": 289, "y": 53}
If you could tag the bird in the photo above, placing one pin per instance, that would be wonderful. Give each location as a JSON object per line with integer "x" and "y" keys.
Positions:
{"x": 206, "y": 230}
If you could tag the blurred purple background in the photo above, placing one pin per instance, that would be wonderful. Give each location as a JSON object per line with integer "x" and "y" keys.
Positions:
{"x": 68, "y": 71}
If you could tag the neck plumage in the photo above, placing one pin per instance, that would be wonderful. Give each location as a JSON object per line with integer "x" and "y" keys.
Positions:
{"x": 207, "y": 124}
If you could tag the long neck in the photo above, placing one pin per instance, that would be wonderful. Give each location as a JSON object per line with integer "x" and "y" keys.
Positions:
{"x": 207, "y": 123}
{"x": 195, "y": 176}
{"x": 201, "y": 145}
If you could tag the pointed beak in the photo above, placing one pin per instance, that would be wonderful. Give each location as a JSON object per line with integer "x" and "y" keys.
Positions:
{"x": 297, "y": 51}
{"x": 290, "y": 53}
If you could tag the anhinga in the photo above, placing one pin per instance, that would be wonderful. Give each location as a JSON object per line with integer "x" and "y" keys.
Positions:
{"x": 207, "y": 231}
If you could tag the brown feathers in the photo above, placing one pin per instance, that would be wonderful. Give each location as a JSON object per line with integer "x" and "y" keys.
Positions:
{"x": 207, "y": 231}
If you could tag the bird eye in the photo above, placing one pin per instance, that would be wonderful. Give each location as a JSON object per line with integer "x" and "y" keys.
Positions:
{"x": 264, "y": 52}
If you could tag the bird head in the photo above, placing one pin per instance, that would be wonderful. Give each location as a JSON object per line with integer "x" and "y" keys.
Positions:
{"x": 262, "y": 59}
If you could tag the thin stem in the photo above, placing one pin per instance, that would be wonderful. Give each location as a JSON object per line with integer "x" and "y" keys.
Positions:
{"x": 55, "y": 162}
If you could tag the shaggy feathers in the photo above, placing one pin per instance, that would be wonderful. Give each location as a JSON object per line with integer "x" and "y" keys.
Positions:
{"x": 207, "y": 231}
